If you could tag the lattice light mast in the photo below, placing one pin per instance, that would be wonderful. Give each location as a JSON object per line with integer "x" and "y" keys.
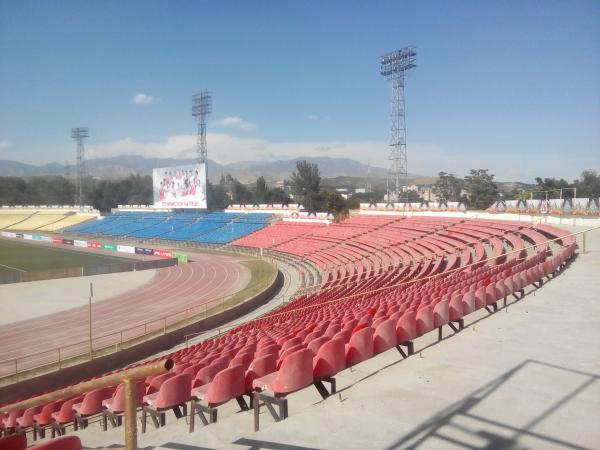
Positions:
{"x": 201, "y": 108}
{"x": 394, "y": 66}
{"x": 79, "y": 134}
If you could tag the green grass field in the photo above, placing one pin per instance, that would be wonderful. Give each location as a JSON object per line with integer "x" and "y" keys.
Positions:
{"x": 22, "y": 257}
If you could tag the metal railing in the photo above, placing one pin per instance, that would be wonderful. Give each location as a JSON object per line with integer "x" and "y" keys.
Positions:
{"x": 59, "y": 357}
{"x": 127, "y": 377}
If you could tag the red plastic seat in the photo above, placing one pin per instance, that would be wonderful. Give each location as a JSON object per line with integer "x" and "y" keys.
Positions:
{"x": 13, "y": 442}
{"x": 360, "y": 346}
{"x": 384, "y": 337}
{"x": 468, "y": 303}
{"x": 330, "y": 359}
{"x": 406, "y": 328}
{"x": 226, "y": 385}
{"x": 91, "y": 404}
{"x": 455, "y": 307}
{"x": 260, "y": 367}
{"x": 63, "y": 443}
{"x": 26, "y": 420}
{"x": 441, "y": 313}
{"x": 116, "y": 403}
{"x": 295, "y": 373}
{"x": 156, "y": 382}
{"x": 173, "y": 394}
{"x": 206, "y": 374}
{"x": 64, "y": 415}
{"x": 315, "y": 344}
{"x": 425, "y": 321}
{"x": 480, "y": 297}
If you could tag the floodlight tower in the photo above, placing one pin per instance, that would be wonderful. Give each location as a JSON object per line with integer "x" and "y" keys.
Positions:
{"x": 201, "y": 108}
{"x": 394, "y": 66}
{"x": 79, "y": 134}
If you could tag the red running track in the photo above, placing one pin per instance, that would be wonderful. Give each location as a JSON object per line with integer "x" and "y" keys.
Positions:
{"x": 202, "y": 282}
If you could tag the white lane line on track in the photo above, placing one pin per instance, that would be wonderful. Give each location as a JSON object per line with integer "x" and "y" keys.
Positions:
{"x": 13, "y": 268}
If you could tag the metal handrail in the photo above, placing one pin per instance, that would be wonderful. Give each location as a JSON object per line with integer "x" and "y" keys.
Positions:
{"x": 128, "y": 377}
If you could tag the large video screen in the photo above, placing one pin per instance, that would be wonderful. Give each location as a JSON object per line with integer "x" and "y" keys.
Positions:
{"x": 180, "y": 186}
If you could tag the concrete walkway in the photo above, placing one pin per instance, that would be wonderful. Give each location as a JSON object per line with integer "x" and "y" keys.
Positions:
{"x": 527, "y": 377}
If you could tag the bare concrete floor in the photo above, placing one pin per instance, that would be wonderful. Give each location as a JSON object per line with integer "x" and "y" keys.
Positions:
{"x": 23, "y": 301}
{"x": 526, "y": 377}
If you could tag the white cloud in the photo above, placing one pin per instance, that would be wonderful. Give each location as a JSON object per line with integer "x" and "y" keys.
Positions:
{"x": 317, "y": 118}
{"x": 143, "y": 99}
{"x": 235, "y": 122}
{"x": 5, "y": 144}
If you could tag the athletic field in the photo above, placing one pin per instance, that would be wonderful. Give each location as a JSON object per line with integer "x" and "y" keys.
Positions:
{"x": 22, "y": 257}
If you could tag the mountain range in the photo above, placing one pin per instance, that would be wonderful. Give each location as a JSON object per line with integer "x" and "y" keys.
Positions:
{"x": 245, "y": 171}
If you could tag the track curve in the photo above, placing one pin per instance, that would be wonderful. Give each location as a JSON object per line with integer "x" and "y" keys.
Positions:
{"x": 172, "y": 289}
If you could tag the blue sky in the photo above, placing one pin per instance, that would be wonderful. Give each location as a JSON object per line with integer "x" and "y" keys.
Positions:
{"x": 513, "y": 86}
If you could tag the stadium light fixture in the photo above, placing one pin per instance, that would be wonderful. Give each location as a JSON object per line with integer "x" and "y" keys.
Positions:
{"x": 201, "y": 108}
{"x": 394, "y": 66}
{"x": 79, "y": 134}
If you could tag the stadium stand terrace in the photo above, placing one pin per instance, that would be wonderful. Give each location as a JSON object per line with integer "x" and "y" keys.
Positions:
{"x": 389, "y": 280}
{"x": 200, "y": 227}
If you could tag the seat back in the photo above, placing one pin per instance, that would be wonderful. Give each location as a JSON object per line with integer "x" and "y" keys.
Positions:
{"x": 92, "y": 401}
{"x": 424, "y": 320}
{"x": 156, "y": 382}
{"x": 330, "y": 359}
{"x": 117, "y": 403}
{"x": 360, "y": 346}
{"x": 468, "y": 302}
{"x": 289, "y": 351}
{"x": 13, "y": 442}
{"x": 260, "y": 367}
{"x": 206, "y": 374}
{"x": 62, "y": 443}
{"x": 174, "y": 391}
{"x": 384, "y": 337}
{"x": 65, "y": 414}
{"x": 315, "y": 344}
{"x": 441, "y": 313}
{"x": 456, "y": 309}
{"x": 291, "y": 343}
{"x": 295, "y": 372}
{"x": 228, "y": 384}
{"x": 11, "y": 420}
{"x": 45, "y": 415}
{"x": 26, "y": 420}
{"x": 406, "y": 328}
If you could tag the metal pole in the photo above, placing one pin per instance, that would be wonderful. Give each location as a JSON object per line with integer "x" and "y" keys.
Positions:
{"x": 90, "y": 314}
{"x": 584, "y": 233}
{"x": 130, "y": 414}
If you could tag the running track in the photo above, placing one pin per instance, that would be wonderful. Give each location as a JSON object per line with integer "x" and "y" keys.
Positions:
{"x": 173, "y": 289}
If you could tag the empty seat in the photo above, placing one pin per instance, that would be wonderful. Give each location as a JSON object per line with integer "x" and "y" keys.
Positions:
{"x": 173, "y": 394}
{"x": 227, "y": 385}
{"x": 62, "y": 443}
{"x": 384, "y": 337}
{"x": 13, "y": 442}
{"x": 295, "y": 373}
{"x": 91, "y": 405}
{"x": 360, "y": 346}
{"x": 114, "y": 407}
{"x": 330, "y": 359}
{"x": 424, "y": 318}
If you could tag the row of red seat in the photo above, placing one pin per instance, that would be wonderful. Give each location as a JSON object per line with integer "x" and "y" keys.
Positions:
{"x": 323, "y": 331}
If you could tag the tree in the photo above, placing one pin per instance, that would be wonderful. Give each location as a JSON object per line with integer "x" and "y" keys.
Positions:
{"x": 588, "y": 184}
{"x": 306, "y": 182}
{"x": 447, "y": 187}
{"x": 334, "y": 203}
{"x": 553, "y": 186}
{"x": 482, "y": 192}
{"x": 262, "y": 190}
